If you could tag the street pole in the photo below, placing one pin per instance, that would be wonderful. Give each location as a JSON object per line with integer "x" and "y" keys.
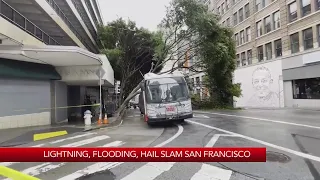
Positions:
{"x": 100, "y": 93}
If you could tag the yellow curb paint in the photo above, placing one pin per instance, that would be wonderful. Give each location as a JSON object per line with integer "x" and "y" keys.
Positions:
{"x": 15, "y": 175}
{"x": 41, "y": 136}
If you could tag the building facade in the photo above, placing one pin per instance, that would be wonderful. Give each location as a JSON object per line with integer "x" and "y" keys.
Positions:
{"x": 49, "y": 61}
{"x": 278, "y": 51}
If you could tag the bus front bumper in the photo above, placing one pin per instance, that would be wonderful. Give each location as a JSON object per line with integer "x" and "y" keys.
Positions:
{"x": 170, "y": 118}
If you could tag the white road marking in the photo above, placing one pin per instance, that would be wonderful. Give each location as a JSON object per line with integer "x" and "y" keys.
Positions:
{"x": 304, "y": 155}
{"x": 45, "y": 167}
{"x": 153, "y": 169}
{"x": 180, "y": 131}
{"x": 86, "y": 141}
{"x": 91, "y": 169}
{"x": 97, "y": 167}
{"x": 200, "y": 116}
{"x": 263, "y": 119}
{"x": 114, "y": 144}
{"x": 39, "y": 145}
{"x": 72, "y": 137}
{"x": 10, "y": 163}
{"x": 208, "y": 172}
{"x": 215, "y": 138}
{"x": 150, "y": 171}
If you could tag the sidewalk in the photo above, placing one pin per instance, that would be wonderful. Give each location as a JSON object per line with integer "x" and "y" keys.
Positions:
{"x": 24, "y": 135}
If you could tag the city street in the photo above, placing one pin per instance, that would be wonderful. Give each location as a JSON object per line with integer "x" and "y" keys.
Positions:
{"x": 291, "y": 137}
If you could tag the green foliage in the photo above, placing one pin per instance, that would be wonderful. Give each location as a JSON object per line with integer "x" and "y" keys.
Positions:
{"x": 131, "y": 51}
{"x": 215, "y": 48}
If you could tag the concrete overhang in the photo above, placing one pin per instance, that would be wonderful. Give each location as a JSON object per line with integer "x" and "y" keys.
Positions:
{"x": 53, "y": 55}
{"x": 76, "y": 66}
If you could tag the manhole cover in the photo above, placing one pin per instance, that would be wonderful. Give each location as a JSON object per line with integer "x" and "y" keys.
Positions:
{"x": 105, "y": 175}
{"x": 277, "y": 157}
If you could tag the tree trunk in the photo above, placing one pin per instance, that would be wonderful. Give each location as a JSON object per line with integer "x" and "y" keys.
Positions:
{"x": 123, "y": 82}
{"x": 133, "y": 93}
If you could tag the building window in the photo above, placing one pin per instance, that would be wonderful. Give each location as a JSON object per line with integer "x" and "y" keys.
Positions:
{"x": 306, "y": 88}
{"x": 241, "y": 37}
{"x": 243, "y": 59}
{"x": 248, "y": 34}
{"x": 276, "y": 20}
{"x": 269, "y": 51}
{"x": 235, "y": 19}
{"x": 293, "y": 11}
{"x": 307, "y": 39}
{"x": 267, "y": 24}
{"x": 317, "y": 4}
{"x": 260, "y": 53}
{"x": 238, "y": 60}
{"x": 240, "y": 15}
{"x": 294, "y": 39}
{"x": 247, "y": 10}
{"x": 237, "y": 39}
{"x": 219, "y": 10}
{"x": 227, "y": 4}
{"x": 249, "y": 57}
{"x": 306, "y": 7}
{"x": 228, "y": 22}
{"x": 259, "y": 28}
{"x": 222, "y": 8}
{"x": 258, "y": 5}
{"x": 278, "y": 48}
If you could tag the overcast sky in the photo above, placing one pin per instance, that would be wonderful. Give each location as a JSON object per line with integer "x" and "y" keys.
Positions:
{"x": 146, "y": 13}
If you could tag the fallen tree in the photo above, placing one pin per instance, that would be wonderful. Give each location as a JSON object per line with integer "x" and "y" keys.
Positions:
{"x": 189, "y": 27}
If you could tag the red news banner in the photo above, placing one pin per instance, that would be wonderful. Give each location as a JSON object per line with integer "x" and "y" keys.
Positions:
{"x": 133, "y": 154}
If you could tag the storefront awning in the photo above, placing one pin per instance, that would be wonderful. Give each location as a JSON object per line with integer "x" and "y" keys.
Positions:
{"x": 20, "y": 69}
{"x": 52, "y": 55}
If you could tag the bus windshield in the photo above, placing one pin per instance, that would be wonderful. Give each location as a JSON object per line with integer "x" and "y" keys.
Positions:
{"x": 166, "y": 90}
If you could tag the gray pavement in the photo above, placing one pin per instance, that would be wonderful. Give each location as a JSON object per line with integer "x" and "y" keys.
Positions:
{"x": 290, "y": 137}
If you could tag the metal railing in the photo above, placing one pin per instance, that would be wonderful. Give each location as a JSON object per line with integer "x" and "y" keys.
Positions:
{"x": 12, "y": 15}
{"x": 58, "y": 10}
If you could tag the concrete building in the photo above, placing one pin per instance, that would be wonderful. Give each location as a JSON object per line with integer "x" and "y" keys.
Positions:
{"x": 278, "y": 51}
{"x": 195, "y": 78}
{"x": 49, "y": 61}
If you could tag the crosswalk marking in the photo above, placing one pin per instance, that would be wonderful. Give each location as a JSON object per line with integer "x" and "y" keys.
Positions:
{"x": 79, "y": 143}
{"x": 215, "y": 138}
{"x": 39, "y": 145}
{"x": 208, "y": 172}
{"x": 72, "y": 137}
{"x": 152, "y": 170}
{"x": 149, "y": 171}
{"x": 87, "y": 141}
{"x": 45, "y": 167}
{"x": 10, "y": 163}
{"x": 91, "y": 169}
{"x": 114, "y": 144}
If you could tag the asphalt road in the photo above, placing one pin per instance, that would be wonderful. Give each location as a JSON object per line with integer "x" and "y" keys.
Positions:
{"x": 291, "y": 137}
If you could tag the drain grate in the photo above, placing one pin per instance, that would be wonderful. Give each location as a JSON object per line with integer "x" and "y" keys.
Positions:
{"x": 277, "y": 157}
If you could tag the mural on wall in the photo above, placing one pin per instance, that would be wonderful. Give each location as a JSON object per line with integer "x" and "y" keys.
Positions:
{"x": 263, "y": 95}
{"x": 261, "y": 85}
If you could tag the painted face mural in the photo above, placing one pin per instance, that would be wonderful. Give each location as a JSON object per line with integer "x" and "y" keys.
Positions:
{"x": 261, "y": 81}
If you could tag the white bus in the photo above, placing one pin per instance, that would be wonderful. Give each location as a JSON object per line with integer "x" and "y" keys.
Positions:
{"x": 165, "y": 98}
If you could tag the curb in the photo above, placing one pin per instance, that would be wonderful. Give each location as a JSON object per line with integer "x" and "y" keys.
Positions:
{"x": 39, "y": 135}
